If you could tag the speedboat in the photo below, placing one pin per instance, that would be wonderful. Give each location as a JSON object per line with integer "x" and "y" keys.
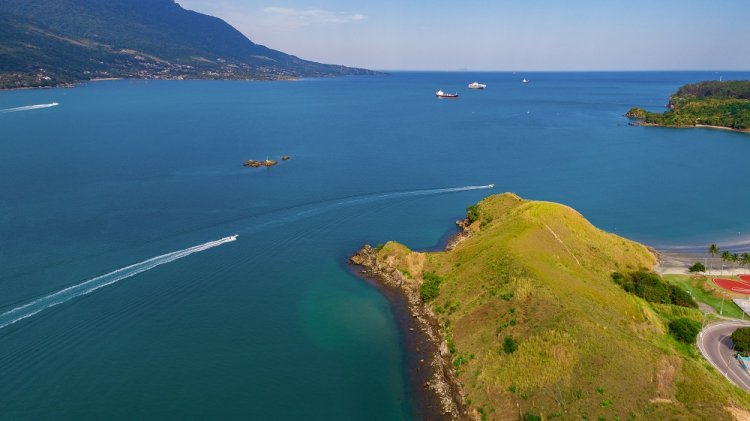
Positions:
{"x": 477, "y": 85}
{"x": 524, "y": 81}
{"x": 441, "y": 94}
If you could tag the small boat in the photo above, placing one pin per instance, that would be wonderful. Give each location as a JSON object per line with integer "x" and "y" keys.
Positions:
{"x": 477, "y": 85}
{"x": 492, "y": 186}
{"x": 441, "y": 94}
{"x": 524, "y": 80}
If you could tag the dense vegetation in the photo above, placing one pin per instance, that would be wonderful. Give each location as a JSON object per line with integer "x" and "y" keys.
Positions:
{"x": 721, "y": 104}
{"x": 430, "y": 286}
{"x": 652, "y": 288}
{"x": 684, "y": 330}
{"x": 48, "y": 42}
{"x": 697, "y": 267}
{"x": 535, "y": 325}
{"x": 741, "y": 340}
{"x": 739, "y": 89}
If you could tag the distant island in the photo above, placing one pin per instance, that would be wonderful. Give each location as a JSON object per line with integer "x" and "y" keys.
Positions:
{"x": 533, "y": 313}
{"x": 62, "y": 42}
{"x": 724, "y": 105}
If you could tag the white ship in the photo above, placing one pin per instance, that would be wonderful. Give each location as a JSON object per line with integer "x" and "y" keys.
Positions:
{"x": 441, "y": 94}
{"x": 477, "y": 85}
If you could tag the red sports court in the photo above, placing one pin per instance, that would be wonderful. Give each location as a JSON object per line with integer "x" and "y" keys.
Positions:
{"x": 739, "y": 287}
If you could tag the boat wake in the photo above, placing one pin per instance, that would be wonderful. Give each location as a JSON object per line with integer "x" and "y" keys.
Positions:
{"x": 319, "y": 208}
{"x": 30, "y": 107}
{"x": 29, "y": 309}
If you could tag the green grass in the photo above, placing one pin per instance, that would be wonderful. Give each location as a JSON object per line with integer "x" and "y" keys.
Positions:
{"x": 704, "y": 291}
{"x": 538, "y": 274}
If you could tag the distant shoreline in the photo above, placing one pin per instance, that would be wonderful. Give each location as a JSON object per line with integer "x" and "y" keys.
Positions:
{"x": 697, "y": 126}
{"x": 107, "y": 79}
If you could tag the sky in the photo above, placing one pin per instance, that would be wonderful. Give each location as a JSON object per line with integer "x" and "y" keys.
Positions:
{"x": 498, "y": 35}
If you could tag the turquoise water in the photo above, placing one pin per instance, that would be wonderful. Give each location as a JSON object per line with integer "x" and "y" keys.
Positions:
{"x": 273, "y": 325}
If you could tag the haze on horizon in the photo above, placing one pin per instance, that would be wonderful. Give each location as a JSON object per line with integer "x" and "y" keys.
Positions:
{"x": 507, "y": 35}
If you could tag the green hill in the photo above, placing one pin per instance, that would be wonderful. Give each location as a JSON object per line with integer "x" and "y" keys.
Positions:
{"x": 69, "y": 40}
{"x": 535, "y": 324}
{"x": 718, "y": 104}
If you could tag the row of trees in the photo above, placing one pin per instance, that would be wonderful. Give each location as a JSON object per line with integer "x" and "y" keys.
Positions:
{"x": 741, "y": 340}
{"x": 742, "y": 260}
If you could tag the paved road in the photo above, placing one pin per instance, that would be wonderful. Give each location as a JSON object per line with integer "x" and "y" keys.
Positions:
{"x": 715, "y": 343}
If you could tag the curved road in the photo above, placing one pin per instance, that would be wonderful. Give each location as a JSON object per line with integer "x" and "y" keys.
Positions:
{"x": 715, "y": 343}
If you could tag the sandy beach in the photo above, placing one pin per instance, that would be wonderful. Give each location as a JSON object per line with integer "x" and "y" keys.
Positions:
{"x": 676, "y": 263}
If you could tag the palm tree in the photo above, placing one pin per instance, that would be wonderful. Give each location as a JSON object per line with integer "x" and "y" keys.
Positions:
{"x": 713, "y": 250}
{"x": 725, "y": 257}
{"x": 734, "y": 258}
{"x": 745, "y": 259}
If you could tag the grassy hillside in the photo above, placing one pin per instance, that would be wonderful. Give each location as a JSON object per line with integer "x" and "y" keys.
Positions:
{"x": 134, "y": 38}
{"x": 720, "y": 104}
{"x": 536, "y": 326}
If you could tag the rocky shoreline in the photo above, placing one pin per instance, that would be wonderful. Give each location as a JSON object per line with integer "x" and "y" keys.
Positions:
{"x": 441, "y": 391}
{"x": 696, "y": 126}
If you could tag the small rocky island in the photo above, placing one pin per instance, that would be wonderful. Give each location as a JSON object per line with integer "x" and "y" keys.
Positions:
{"x": 712, "y": 104}
{"x": 265, "y": 163}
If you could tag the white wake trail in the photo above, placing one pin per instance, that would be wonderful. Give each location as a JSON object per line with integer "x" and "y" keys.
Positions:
{"x": 30, "y": 107}
{"x": 29, "y": 309}
{"x": 411, "y": 193}
{"x": 376, "y": 197}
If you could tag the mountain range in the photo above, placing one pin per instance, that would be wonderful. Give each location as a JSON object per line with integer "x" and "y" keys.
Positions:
{"x": 57, "y": 42}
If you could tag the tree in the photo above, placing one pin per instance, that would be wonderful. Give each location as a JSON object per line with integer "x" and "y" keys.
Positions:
{"x": 650, "y": 287}
{"x": 680, "y": 297}
{"x": 725, "y": 257}
{"x": 430, "y": 287}
{"x": 472, "y": 213}
{"x": 734, "y": 258}
{"x": 745, "y": 259}
{"x": 684, "y": 329}
{"x": 741, "y": 340}
{"x": 713, "y": 250}
{"x": 509, "y": 345}
{"x": 697, "y": 267}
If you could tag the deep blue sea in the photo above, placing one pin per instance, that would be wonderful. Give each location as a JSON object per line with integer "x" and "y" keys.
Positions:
{"x": 274, "y": 325}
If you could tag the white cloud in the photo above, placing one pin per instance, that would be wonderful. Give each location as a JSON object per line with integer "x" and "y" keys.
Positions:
{"x": 310, "y": 16}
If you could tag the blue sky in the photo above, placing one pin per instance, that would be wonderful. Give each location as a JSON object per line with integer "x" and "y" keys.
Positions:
{"x": 499, "y": 35}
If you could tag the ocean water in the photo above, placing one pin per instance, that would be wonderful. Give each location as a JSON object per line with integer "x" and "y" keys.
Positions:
{"x": 121, "y": 295}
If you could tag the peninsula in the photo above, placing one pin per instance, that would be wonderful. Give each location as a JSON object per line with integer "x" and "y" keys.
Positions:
{"x": 62, "y": 42}
{"x": 533, "y": 312}
{"x": 723, "y": 105}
